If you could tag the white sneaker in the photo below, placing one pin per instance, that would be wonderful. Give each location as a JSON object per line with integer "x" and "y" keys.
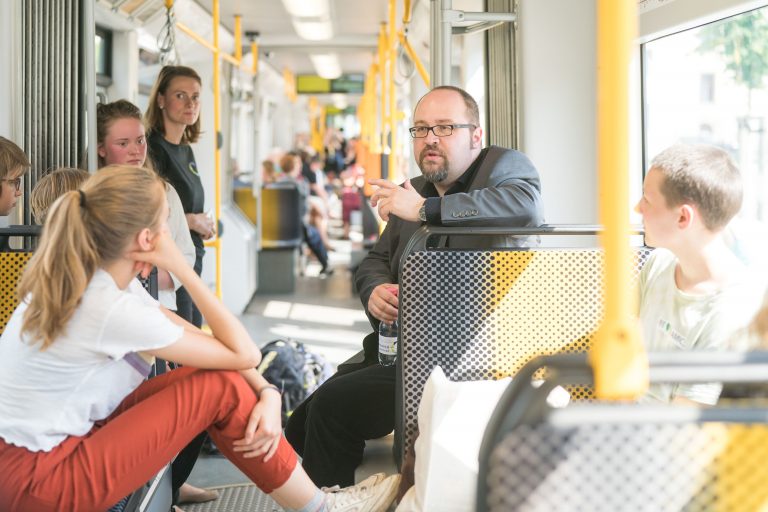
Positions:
{"x": 368, "y": 482}
{"x": 371, "y": 495}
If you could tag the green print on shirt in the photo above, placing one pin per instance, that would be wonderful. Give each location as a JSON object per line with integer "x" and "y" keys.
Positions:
{"x": 193, "y": 168}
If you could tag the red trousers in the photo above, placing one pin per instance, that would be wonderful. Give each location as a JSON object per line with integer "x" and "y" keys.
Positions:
{"x": 146, "y": 431}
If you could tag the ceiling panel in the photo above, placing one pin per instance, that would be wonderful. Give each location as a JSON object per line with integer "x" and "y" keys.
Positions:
{"x": 355, "y": 23}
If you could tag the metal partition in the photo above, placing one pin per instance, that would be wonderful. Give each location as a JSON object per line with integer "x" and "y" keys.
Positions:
{"x": 55, "y": 85}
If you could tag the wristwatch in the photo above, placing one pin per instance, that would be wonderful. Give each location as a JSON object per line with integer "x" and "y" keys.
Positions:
{"x": 423, "y": 212}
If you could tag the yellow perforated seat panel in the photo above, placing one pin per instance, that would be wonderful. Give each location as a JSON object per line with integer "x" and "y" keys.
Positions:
{"x": 483, "y": 314}
{"x": 12, "y": 264}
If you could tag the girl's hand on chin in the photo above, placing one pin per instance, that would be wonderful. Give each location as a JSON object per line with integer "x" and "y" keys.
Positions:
{"x": 161, "y": 252}
{"x": 143, "y": 268}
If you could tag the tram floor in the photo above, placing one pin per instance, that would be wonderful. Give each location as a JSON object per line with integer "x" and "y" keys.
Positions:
{"x": 325, "y": 315}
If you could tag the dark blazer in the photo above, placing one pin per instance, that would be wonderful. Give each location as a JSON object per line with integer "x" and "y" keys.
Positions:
{"x": 505, "y": 191}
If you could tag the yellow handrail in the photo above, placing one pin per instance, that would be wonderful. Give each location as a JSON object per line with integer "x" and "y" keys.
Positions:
{"x": 194, "y": 35}
{"x": 415, "y": 58}
{"x": 217, "y": 150}
{"x": 237, "y": 62}
{"x": 407, "y": 12}
{"x": 289, "y": 85}
{"x": 383, "y": 83}
{"x": 394, "y": 173}
{"x": 255, "y": 57}
{"x": 617, "y": 356}
{"x": 238, "y": 38}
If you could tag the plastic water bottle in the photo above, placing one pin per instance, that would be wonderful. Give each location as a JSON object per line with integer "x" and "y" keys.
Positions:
{"x": 387, "y": 343}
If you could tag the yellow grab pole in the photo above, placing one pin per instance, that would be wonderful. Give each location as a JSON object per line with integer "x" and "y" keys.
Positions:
{"x": 407, "y": 12}
{"x": 383, "y": 83}
{"x": 392, "y": 49}
{"x": 194, "y": 35}
{"x": 321, "y": 129}
{"x": 255, "y": 57}
{"x": 618, "y": 358}
{"x": 238, "y": 38}
{"x": 217, "y": 150}
{"x": 229, "y": 58}
{"x": 415, "y": 58}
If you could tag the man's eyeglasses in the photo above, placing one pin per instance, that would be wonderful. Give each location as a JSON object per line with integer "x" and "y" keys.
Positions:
{"x": 16, "y": 182}
{"x": 440, "y": 130}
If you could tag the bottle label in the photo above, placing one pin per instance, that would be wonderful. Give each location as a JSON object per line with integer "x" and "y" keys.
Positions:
{"x": 388, "y": 345}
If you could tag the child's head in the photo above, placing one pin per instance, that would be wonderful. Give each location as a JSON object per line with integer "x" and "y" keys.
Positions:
{"x": 689, "y": 185}
{"x": 290, "y": 164}
{"x": 120, "y": 134}
{"x": 51, "y": 186}
{"x": 86, "y": 229}
{"x": 13, "y": 164}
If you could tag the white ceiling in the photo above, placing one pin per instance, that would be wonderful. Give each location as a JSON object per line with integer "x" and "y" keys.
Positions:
{"x": 355, "y": 23}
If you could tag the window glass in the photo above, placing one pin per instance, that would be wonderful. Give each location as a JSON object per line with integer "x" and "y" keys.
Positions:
{"x": 708, "y": 85}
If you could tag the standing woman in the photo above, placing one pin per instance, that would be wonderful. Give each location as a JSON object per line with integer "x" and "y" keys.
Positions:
{"x": 173, "y": 123}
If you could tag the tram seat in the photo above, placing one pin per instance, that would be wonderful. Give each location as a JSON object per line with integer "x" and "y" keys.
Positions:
{"x": 247, "y": 203}
{"x": 482, "y": 315}
{"x": 602, "y": 456}
{"x": 281, "y": 238}
{"x": 12, "y": 265}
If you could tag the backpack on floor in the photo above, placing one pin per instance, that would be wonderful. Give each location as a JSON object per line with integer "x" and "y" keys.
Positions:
{"x": 296, "y": 371}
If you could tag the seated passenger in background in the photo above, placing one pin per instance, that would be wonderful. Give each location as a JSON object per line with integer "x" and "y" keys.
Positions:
{"x": 268, "y": 172}
{"x": 51, "y": 186}
{"x": 13, "y": 165}
{"x": 462, "y": 184}
{"x": 694, "y": 292}
{"x": 79, "y": 424}
{"x": 290, "y": 163}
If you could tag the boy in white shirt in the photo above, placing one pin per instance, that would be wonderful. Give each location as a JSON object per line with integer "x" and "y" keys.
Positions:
{"x": 694, "y": 292}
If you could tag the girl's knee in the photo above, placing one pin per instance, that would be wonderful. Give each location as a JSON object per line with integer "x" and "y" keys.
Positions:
{"x": 230, "y": 380}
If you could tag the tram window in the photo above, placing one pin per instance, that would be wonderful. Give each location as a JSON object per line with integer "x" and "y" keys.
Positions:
{"x": 709, "y": 85}
{"x": 103, "y": 57}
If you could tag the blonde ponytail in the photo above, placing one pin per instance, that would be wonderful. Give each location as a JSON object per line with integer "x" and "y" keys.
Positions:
{"x": 84, "y": 230}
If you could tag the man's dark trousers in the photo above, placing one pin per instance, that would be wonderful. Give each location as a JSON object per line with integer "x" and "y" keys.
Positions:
{"x": 356, "y": 406}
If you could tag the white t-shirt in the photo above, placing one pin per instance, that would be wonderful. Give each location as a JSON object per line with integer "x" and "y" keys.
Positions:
{"x": 177, "y": 225}
{"x": 674, "y": 320}
{"x": 48, "y": 395}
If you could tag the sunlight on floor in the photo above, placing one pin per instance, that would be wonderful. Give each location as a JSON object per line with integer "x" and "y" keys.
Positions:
{"x": 312, "y": 313}
{"x": 331, "y": 337}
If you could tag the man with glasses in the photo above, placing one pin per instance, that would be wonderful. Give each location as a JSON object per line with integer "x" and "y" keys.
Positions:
{"x": 13, "y": 165}
{"x": 461, "y": 184}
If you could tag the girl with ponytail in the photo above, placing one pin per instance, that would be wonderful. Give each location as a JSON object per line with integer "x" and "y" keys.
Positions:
{"x": 79, "y": 425}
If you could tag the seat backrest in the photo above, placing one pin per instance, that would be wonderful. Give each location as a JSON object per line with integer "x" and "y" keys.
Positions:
{"x": 12, "y": 265}
{"x": 247, "y": 203}
{"x": 281, "y": 216}
{"x": 484, "y": 314}
{"x": 602, "y": 456}
{"x": 597, "y": 457}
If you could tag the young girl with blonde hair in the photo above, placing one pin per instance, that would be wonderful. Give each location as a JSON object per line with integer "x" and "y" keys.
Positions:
{"x": 79, "y": 425}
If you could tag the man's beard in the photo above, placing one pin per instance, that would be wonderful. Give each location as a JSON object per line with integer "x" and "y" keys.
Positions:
{"x": 434, "y": 175}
